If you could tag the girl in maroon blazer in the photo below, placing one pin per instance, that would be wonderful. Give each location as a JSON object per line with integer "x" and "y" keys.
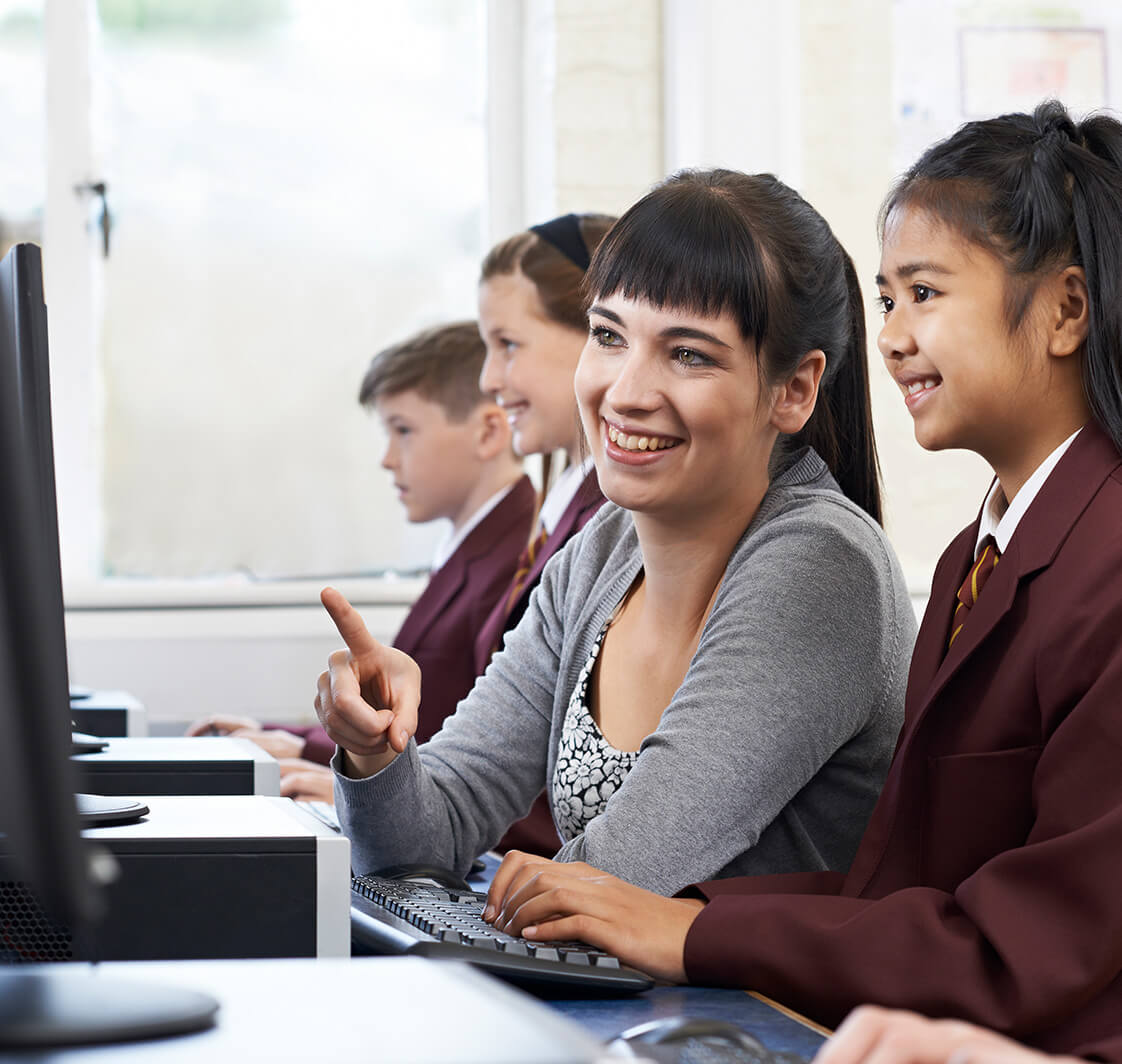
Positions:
{"x": 533, "y": 321}
{"x": 988, "y": 885}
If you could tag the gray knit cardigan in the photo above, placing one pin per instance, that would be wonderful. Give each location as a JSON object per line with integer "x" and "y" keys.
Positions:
{"x": 770, "y": 755}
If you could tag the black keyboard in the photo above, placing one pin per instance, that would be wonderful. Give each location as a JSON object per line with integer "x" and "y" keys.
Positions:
{"x": 407, "y": 916}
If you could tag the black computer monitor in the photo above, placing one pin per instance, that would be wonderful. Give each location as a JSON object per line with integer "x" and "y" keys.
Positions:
{"x": 37, "y": 779}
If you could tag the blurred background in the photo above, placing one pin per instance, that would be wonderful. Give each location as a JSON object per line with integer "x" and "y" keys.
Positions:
{"x": 240, "y": 203}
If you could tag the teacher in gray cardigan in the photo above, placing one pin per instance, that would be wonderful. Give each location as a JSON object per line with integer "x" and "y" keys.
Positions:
{"x": 709, "y": 679}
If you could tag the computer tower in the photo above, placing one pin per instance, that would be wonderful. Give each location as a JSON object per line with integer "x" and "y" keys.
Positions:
{"x": 107, "y": 713}
{"x": 202, "y": 878}
{"x": 179, "y": 765}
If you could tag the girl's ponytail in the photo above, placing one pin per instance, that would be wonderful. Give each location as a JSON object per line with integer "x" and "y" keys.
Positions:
{"x": 1095, "y": 165}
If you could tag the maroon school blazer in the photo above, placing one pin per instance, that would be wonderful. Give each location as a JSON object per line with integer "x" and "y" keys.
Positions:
{"x": 536, "y": 832}
{"x": 988, "y": 884}
{"x": 440, "y": 630}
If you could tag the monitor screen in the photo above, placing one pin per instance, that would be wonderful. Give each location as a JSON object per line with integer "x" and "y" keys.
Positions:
{"x": 38, "y": 812}
{"x": 37, "y": 778}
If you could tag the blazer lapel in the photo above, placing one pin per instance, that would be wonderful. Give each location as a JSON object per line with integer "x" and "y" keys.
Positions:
{"x": 583, "y": 505}
{"x": 442, "y": 587}
{"x": 1066, "y": 493}
{"x": 934, "y": 630}
{"x": 1038, "y": 538}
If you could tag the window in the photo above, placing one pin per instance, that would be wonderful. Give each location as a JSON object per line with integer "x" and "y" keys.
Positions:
{"x": 291, "y": 185}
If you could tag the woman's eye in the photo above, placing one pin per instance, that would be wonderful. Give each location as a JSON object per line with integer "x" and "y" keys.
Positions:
{"x": 687, "y": 356}
{"x": 605, "y": 337}
{"x": 885, "y": 303}
{"x": 922, "y": 292}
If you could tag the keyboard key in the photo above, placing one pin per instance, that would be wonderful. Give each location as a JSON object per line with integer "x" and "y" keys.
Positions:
{"x": 575, "y": 956}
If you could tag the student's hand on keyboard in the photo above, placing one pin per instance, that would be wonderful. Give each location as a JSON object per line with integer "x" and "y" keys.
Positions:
{"x": 273, "y": 741}
{"x": 306, "y": 781}
{"x": 367, "y": 700}
{"x": 222, "y": 724}
{"x": 542, "y": 899}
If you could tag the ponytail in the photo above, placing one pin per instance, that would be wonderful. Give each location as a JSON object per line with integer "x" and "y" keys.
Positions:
{"x": 1096, "y": 202}
{"x": 1041, "y": 192}
{"x": 841, "y": 427}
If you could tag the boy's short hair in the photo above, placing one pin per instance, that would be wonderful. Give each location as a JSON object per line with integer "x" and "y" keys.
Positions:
{"x": 442, "y": 365}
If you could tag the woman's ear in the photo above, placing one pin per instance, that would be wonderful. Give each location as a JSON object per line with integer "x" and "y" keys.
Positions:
{"x": 795, "y": 399}
{"x": 1068, "y": 316}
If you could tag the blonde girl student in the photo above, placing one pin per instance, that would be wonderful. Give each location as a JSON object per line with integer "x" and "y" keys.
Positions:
{"x": 708, "y": 680}
{"x": 532, "y": 320}
{"x": 987, "y": 886}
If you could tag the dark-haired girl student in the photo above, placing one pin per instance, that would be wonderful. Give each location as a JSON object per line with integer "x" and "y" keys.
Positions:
{"x": 988, "y": 885}
{"x": 709, "y": 679}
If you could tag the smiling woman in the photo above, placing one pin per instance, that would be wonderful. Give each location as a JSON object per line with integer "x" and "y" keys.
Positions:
{"x": 665, "y": 684}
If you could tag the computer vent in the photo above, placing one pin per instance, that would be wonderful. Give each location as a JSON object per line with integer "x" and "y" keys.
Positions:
{"x": 27, "y": 934}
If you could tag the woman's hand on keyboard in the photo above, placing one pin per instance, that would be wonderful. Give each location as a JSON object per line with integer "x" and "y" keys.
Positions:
{"x": 367, "y": 699}
{"x": 542, "y": 899}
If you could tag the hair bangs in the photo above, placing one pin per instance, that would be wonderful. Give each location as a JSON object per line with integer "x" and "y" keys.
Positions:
{"x": 684, "y": 246}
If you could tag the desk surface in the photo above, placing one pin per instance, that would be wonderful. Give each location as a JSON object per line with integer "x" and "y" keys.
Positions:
{"x": 400, "y": 1009}
{"x": 607, "y": 1017}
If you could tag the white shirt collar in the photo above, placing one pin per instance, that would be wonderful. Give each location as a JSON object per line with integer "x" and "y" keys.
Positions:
{"x": 451, "y": 541}
{"x": 562, "y": 493}
{"x": 1002, "y": 526}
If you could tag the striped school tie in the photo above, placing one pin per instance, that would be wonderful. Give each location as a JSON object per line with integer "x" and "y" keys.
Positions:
{"x": 521, "y": 576}
{"x": 972, "y": 586}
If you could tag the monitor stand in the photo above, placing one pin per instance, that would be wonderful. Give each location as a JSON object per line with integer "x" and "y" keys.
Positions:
{"x": 85, "y": 1008}
{"x": 81, "y": 743}
{"x": 95, "y": 810}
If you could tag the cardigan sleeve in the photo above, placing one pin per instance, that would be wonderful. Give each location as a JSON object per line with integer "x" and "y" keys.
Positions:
{"x": 450, "y": 799}
{"x": 782, "y": 680}
{"x": 1023, "y": 943}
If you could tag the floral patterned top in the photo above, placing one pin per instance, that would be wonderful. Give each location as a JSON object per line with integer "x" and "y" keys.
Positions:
{"x": 589, "y": 769}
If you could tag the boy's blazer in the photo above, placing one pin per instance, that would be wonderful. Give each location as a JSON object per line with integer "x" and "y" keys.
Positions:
{"x": 440, "y": 629}
{"x": 988, "y": 884}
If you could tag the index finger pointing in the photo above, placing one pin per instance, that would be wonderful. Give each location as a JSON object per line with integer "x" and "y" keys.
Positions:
{"x": 347, "y": 621}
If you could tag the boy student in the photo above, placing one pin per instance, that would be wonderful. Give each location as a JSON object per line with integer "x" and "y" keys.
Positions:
{"x": 449, "y": 452}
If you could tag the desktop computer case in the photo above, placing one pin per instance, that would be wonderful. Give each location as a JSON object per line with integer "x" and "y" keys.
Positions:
{"x": 179, "y": 898}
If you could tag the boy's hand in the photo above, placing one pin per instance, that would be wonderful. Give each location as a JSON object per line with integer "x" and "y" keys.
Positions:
{"x": 222, "y": 724}
{"x": 367, "y": 700}
{"x": 306, "y": 781}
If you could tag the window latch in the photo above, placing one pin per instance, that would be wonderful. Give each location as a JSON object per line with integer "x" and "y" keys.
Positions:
{"x": 105, "y": 219}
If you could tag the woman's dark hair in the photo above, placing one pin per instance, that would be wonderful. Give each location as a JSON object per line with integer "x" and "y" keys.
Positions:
{"x": 719, "y": 241}
{"x": 1041, "y": 192}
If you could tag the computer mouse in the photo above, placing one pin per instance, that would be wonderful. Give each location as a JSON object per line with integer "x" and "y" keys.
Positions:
{"x": 695, "y": 1040}
{"x": 441, "y": 877}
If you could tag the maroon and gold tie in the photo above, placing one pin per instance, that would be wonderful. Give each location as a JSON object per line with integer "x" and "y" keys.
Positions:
{"x": 972, "y": 586}
{"x": 522, "y": 575}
